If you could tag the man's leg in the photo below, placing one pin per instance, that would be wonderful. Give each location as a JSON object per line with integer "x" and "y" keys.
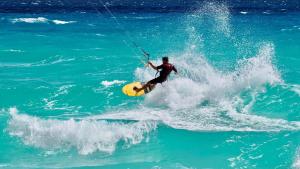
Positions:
{"x": 152, "y": 83}
{"x": 148, "y": 84}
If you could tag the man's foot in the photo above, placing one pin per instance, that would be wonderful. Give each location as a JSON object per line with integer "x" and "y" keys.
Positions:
{"x": 136, "y": 89}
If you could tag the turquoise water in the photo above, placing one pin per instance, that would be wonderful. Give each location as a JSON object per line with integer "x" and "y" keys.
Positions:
{"x": 234, "y": 104}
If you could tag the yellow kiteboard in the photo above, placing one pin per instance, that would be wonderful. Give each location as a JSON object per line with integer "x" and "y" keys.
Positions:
{"x": 129, "y": 91}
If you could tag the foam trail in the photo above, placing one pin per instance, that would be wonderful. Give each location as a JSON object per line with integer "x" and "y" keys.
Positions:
{"x": 218, "y": 118}
{"x": 87, "y": 136}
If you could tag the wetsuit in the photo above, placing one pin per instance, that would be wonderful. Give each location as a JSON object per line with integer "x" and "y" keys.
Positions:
{"x": 166, "y": 69}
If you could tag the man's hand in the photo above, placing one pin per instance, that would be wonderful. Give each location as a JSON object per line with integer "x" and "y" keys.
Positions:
{"x": 150, "y": 63}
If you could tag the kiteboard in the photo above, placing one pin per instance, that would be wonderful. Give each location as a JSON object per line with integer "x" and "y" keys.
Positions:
{"x": 128, "y": 89}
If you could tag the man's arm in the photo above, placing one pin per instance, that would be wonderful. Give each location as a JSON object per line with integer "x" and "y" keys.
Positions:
{"x": 175, "y": 70}
{"x": 154, "y": 67}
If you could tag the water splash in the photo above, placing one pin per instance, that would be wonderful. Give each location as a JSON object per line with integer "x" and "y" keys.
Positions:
{"x": 199, "y": 81}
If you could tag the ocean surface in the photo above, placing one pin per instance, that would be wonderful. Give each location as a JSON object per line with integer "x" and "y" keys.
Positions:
{"x": 234, "y": 104}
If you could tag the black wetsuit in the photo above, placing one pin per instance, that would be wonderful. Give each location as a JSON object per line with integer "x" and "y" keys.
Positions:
{"x": 166, "y": 69}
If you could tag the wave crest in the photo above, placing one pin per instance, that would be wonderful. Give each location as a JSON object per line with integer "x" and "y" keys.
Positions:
{"x": 87, "y": 136}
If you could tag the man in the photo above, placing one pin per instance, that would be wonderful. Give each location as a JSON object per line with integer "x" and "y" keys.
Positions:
{"x": 166, "y": 68}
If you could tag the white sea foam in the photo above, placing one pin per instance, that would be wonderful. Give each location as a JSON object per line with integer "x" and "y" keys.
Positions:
{"x": 86, "y": 136}
{"x": 41, "y": 20}
{"x": 60, "y": 22}
{"x": 30, "y": 20}
{"x": 114, "y": 82}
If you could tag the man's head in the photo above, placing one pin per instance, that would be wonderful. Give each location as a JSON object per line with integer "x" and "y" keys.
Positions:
{"x": 165, "y": 59}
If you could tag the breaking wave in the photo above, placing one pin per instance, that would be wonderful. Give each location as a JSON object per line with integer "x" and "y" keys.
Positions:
{"x": 86, "y": 136}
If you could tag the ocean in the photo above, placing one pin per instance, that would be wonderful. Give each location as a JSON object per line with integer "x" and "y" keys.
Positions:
{"x": 234, "y": 104}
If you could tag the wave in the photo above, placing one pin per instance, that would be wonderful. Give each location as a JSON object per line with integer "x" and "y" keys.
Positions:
{"x": 13, "y": 50}
{"x": 60, "y": 22}
{"x": 114, "y": 82}
{"x": 132, "y": 127}
{"x": 243, "y": 12}
{"x": 30, "y": 20}
{"x": 86, "y": 136}
{"x": 41, "y": 20}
